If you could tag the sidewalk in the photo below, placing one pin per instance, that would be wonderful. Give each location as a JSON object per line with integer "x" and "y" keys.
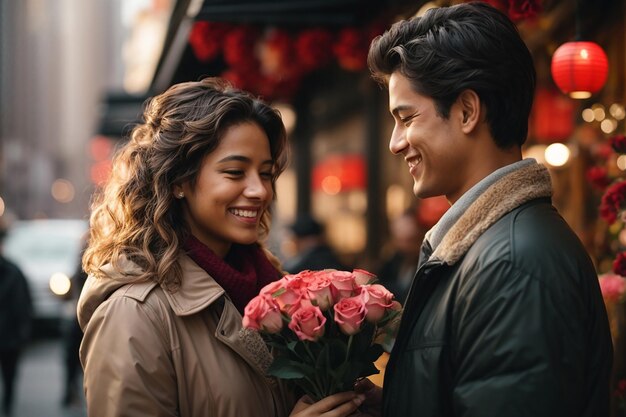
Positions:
{"x": 40, "y": 383}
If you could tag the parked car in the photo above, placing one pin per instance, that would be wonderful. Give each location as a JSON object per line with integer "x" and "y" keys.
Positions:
{"x": 48, "y": 252}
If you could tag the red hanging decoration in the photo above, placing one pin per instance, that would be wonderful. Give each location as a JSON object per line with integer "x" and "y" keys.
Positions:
{"x": 338, "y": 173}
{"x": 552, "y": 116}
{"x": 580, "y": 69}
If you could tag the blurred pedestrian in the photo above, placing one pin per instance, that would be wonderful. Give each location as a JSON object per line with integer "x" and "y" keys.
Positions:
{"x": 397, "y": 271}
{"x": 15, "y": 323}
{"x": 505, "y": 315}
{"x": 312, "y": 250}
{"x": 174, "y": 256}
{"x": 72, "y": 337}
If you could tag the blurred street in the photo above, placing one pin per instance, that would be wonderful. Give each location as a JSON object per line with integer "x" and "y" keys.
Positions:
{"x": 40, "y": 383}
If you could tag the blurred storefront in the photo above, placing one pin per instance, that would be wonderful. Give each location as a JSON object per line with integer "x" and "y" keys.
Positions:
{"x": 308, "y": 58}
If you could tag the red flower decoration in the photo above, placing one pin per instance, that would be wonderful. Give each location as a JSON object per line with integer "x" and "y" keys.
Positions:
{"x": 619, "y": 265}
{"x": 612, "y": 201}
{"x": 239, "y": 48}
{"x": 314, "y": 49}
{"x": 602, "y": 151}
{"x": 276, "y": 54}
{"x": 273, "y": 89}
{"x": 206, "y": 39}
{"x": 598, "y": 177}
{"x": 618, "y": 143}
{"x": 245, "y": 79}
{"x": 517, "y": 9}
{"x": 351, "y": 49}
{"x": 523, "y": 9}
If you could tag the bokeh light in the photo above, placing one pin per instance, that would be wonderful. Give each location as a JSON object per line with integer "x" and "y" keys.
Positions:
{"x": 557, "y": 154}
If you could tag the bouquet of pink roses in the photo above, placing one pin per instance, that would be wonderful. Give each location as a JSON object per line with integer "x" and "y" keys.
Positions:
{"x": 324, "y": 326}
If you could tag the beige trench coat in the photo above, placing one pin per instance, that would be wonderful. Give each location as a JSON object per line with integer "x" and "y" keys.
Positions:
{"x": 149, "y": 352}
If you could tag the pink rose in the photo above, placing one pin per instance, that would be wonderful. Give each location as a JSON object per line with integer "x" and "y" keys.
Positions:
{"x": 286, "y": 292}
{"x": 262, "y": 313}
{"x": 308, "y": 323}
{"x": 377, "y": 300}
{"x": 344, "y": 284}
{"x": 363, "y": 277}
{"x": 306, "y": 276}
{"x": 349, "y": 314}
{"x": 613, "y": 286}
{"x": 320, "y": 291}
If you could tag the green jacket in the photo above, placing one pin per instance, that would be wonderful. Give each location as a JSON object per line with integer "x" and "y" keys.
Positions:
{"x": 505, "y": 318}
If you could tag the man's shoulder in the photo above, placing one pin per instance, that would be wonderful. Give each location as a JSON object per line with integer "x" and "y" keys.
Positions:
{"x": 531, "y": 226}
{"x": 536, "y": 240}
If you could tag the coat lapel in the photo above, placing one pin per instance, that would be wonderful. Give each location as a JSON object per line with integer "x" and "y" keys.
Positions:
{"x": 511, "y": 191}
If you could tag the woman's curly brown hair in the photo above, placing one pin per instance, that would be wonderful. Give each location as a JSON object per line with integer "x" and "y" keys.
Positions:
{"x": 135, "y": 215}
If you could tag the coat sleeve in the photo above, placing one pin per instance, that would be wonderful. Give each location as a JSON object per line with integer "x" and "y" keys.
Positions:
{"x": 127, "y": 361}
{"x": 518, "y": 346}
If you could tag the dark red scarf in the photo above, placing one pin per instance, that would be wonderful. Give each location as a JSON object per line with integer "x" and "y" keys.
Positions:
{"x": 242, "y": 273}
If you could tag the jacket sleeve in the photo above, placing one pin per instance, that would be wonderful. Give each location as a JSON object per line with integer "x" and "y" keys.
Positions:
{"x": 127, "y": 361}
{"x": 517, "y": 346}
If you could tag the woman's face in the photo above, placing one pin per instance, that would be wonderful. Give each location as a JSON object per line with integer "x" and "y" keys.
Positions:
{"x": 232, "y": 190}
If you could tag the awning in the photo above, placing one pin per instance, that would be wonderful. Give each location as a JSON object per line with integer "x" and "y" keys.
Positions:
{"x": 177, "y": 63}
{"x": 119, "y": 114}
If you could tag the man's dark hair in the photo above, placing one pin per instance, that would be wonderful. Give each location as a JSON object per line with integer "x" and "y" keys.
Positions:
{"x": 468, "y": 46}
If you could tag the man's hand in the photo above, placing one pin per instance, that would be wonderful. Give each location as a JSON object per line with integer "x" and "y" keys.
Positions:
{"x": 373, "y": 404}
{"x": 337, "y": 405}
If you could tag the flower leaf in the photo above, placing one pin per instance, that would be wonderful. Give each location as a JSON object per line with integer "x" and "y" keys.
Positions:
{"x": 278, "y": 292}
{"x": 286, "y": 368}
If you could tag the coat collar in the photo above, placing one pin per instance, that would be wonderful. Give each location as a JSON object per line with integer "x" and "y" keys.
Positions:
{"x": 197, "y": 291}
{"x": 511, "y": 191}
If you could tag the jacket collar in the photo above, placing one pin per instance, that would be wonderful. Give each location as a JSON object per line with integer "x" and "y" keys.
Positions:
{"x": 509, "y": 192}
{"x": 197, "y": 291}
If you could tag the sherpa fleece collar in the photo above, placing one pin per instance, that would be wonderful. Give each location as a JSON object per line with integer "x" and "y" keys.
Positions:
{"x": 509, "y": 192}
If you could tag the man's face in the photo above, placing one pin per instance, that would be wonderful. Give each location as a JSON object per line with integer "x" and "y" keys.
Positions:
{"x": 436, "y": 150}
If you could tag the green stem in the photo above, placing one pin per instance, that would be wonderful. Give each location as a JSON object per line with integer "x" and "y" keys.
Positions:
{"x": 319, "y": 385}
{"x": 349, "y": 347}
{"x": 317, "y": 391}
{"x": 308, "y": 350}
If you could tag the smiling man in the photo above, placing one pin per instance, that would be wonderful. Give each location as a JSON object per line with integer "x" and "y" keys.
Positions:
{"x": 504, "y": 316}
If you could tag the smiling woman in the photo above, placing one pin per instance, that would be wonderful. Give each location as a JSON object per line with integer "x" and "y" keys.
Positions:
{"x": 175, "y": 253}
{"x": 233, "y": 189}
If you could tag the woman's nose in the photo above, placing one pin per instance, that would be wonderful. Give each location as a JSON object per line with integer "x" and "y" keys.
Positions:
{"x": 257, "y": 188}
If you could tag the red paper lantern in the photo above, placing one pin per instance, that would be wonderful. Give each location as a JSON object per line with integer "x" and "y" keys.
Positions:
{"x": 579, "y": 68}
{"x": 339, "y": 173}
{"x": 552, "y": 116}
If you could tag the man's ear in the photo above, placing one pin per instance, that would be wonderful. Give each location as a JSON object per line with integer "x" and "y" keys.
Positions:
{"x": 470, "y": 108}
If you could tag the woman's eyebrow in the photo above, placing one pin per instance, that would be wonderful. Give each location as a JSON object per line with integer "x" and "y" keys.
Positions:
{"x": 241, "y": 158}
